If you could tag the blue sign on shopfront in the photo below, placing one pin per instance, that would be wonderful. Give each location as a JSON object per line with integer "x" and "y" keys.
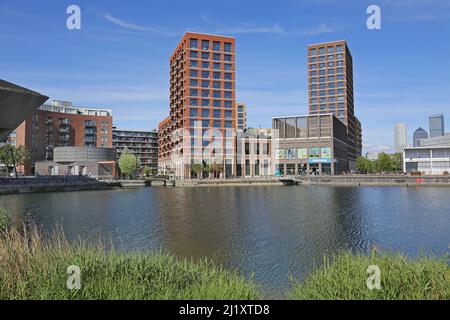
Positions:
{"x": 319, "y": 160}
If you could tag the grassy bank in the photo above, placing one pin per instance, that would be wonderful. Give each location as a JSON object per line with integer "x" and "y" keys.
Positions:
{"x": 31, "y": 268}
{"x": 401, "y": 279}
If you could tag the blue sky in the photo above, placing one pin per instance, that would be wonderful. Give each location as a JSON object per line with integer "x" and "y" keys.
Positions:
{"x": 119, "y": 59}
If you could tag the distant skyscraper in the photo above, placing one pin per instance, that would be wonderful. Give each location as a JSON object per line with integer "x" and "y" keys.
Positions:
{"x": 401, "y": 137}
{"x": 420, "y": 133}
{"x": 436, "y": 125}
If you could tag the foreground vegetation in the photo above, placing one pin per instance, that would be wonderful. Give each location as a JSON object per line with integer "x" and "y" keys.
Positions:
{"x": 34, "y": 268}
{"x": 401, "y": 279}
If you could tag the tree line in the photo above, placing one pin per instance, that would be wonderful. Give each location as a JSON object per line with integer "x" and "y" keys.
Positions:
{"x": 385, "y": 163}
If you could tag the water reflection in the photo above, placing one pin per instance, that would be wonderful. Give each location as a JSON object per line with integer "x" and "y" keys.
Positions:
{"x": 269, "y": 231}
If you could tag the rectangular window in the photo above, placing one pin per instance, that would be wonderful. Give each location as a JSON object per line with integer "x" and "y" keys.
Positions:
{"x": 216, "y": 56}
{"x": 227, "y": 47}
{"x": 216, "y": 123}
{"x": 205, "y": 45}
{"x": 194, "y": 64}
{"x": 228, "y": 114}
{"x": 194, "y": 113}
{"x": 193, "y": 44}
{"x": 228, "y": 124}
{"x": 205, "y": 84}
{"x": 205, "y": 102}
{"x": 228, "y": 95}
{"x": 228, "y": 86}
{"x": 216, "y": 114}
{"x": 228, "y": 76}
{"x": 205, "y": 123}
{"x": 194, "y": 102}
{"x": 205, "y": 55}
{"x": 312, "y": 52}
{"x": 193, "y": 83}
{"x": 193, "y": 74}
{"x": 216, "y": 46}
{"x": 216, "y": 66}
{"x": 216, "y": 75}
{"x": 216, "y": 85}
{"x": 228, "y": 104}
{"x": 228, "y": 66}
{"x": 227, "y": 57}
{"x": 217, "y": 104}
{"x": 205, "y": 93}
{"x": 314, "y": 152}
{"x": 205, "y": 74}
{"x": 205, "y": 113}
{"x": 194, "y": 55}
{"x": 216, "y": 94}
{"x": 205, "y": 65}
{"x": 193, "y": 93}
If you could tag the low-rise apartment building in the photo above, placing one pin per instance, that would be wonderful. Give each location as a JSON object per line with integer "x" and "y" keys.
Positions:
{"x": 142, "y": 144}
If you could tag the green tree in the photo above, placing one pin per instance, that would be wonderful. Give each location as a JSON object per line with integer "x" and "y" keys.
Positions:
{"x": 128, "y": 164}
{"x": 147, "y": 171}
{"x": 363, "y": 165}
{"x": 196, "y": 170}
{"x": 397, "y": 162}
{"x": 11, "y": 155}
{"x": 384, "y": 163}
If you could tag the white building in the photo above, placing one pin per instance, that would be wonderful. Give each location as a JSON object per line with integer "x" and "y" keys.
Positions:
{"x": 401, "y": 137}
{"x": 431, "y": 160}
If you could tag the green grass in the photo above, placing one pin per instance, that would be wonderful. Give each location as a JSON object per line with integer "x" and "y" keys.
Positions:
{"x": 401, "y": 278}
{"x": 5, "y": 219}
{"x": 32, "y": 268}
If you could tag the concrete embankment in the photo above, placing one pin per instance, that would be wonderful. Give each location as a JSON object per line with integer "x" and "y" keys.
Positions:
{"x": 362, "y": 180}
{"x": 228, "y": 182}
{"x": 52, "y": 184}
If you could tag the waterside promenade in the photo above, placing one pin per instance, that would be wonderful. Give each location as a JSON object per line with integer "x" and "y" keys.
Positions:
{"x": 362, "y": 179}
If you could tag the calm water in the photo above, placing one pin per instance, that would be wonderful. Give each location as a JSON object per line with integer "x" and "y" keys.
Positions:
{"x": 270, "y": 231}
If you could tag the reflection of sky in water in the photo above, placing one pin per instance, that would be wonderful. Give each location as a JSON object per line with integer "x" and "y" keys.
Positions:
{"x": 271, "y": 231}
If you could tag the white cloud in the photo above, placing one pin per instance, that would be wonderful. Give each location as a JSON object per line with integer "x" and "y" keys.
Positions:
{"x": 219, "y": 28}
{"x": 135, "y": 27}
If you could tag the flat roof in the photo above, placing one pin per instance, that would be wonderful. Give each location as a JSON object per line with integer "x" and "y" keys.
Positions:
{"x": 428, "y": 147}
{"x": 325, "y": 43}
{"x": 209, "y": 34}
{"x": 305, "y": 115}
